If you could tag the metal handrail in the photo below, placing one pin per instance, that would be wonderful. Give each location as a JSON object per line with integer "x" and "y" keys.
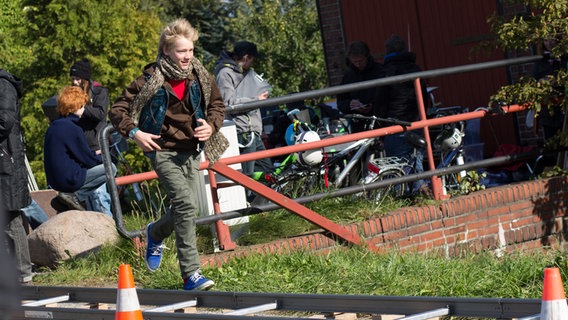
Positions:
{"x": 113, "y": 182}
{"x": 330, "y": 91}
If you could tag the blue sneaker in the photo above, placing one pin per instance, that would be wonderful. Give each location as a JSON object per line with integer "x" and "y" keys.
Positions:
{"x": 197, "y": 282}
{"x": 153, "y": 251}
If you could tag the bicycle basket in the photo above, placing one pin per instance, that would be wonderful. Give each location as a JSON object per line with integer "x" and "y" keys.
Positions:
{"x": 385, "y": 163}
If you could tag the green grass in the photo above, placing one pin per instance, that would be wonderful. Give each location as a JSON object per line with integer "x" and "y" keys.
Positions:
{"x": 344, "y": 270}
{"x": 340, "y": 271}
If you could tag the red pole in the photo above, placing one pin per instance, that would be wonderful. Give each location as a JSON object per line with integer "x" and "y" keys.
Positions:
{"x": 436, "y": 182}
{"x": 223, "y": 232}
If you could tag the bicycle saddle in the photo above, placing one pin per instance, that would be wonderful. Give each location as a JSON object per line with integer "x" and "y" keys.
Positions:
{"x": 415, "y": 140}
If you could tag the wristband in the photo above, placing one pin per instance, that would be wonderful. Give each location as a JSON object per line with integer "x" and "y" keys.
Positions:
{"x": 132, "y": 133}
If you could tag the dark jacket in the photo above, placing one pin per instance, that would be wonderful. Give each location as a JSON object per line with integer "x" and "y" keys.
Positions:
{"x": 177, "y": 127}
{"x": 373, "y": 96}
{"x": 94, "y": 119}
{"x": 67, "y": 155}
{"x": 14, "y": 190}
{"x": 400, "y": 98}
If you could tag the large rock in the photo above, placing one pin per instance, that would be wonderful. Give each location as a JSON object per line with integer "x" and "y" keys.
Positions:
{"x": 70, "y": 234}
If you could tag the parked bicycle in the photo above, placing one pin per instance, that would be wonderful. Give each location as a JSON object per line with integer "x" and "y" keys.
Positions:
{"x": 334, "y": 166}
{"x": 448, "y": 143}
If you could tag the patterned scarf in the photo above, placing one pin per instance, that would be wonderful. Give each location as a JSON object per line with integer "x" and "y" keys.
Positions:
{"x": 167, "y": 69}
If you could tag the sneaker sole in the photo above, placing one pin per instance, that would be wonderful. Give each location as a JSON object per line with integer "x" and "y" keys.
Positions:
{"x": 204, "y": 286}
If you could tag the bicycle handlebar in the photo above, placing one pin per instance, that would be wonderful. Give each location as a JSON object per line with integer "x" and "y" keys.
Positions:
{"x": 387, "y": 120}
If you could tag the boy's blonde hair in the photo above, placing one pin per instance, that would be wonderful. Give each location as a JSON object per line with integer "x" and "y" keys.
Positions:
{"x": 175, "y": 30}
{"x": 70, "y": 100}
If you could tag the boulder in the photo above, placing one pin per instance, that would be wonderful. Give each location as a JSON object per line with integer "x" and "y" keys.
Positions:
{"x": 70, "y": 234}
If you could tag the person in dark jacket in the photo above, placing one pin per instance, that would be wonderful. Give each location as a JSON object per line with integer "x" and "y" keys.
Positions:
{"x": 171, "y": 111}
{"x": 70, "y": 166}
{"x": 13, "y": 175}
{"x": 551, "y": 115}
{"x": 400, "y": 102}
{"x": 94, "y": 119}
{"x": 361, "y": 67}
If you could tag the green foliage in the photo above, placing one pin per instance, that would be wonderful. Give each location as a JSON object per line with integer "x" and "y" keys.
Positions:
{"x": 546, "y": 21}
{"x": 471, "y": 182}
{"x": 13, "y": 56}
{"x": 287, "y": 34}
{"x": 48, "y": 36}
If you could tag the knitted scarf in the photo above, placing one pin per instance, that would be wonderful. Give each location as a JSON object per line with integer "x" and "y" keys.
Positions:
{"x": 167, "y": 69}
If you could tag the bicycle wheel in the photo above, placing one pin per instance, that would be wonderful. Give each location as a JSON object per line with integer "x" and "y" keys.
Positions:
{"x": 451, "y": 182}
{"x": 298, "y": 182}
{"x": 392, "y": 191}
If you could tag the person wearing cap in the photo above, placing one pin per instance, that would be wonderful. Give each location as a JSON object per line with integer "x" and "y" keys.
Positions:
{"x": 230, "y": 70}
{"x": 94, "y": 119}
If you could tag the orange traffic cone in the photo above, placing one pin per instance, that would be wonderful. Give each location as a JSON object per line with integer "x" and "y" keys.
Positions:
{"x": 554, "y": 306}
{"x": 127, "y": 305}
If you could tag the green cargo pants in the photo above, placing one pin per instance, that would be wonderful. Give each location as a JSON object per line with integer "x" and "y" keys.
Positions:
{"x": 178, "y": 172}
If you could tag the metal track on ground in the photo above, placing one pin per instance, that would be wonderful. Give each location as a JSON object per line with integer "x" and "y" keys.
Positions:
{"x": 42, "y": 302}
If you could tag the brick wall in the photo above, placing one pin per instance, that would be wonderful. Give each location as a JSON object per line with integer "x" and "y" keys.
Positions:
{"x": 502, "y": 219}
{"x": 331, "y": 25}
{"x": 522, "y": 216}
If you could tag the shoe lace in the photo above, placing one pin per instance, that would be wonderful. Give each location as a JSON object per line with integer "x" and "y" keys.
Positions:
{"x": 196, "y": 277}
{"x": 156, "y": 249}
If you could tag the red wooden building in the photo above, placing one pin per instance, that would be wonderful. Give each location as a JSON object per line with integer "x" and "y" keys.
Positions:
{"x": 442, "y": 33}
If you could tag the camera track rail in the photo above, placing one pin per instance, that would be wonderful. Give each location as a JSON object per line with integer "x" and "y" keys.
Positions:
{"x": 43, "y": 302}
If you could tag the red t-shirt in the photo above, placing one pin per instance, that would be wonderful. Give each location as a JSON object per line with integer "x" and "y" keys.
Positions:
{"x": 179, "y": 87}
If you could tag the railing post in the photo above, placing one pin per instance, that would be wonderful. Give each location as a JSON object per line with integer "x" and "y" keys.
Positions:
{"x": 435, "y": 181}
{"x": 222, "y": 229}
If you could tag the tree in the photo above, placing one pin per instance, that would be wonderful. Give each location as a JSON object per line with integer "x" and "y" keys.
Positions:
{"x": 115, "y": 35}
{"x": 287, "y": 33}
{"x": 546, "y": 20}
{"x": 13, "y": 54}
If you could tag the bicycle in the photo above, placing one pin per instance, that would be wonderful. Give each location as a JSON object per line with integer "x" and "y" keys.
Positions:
{"x": 339, "y": 166}
{"x": 352, "y": 171}
{"x": 449, "y": 143}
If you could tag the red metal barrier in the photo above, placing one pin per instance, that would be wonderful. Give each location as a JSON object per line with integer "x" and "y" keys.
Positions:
{"x": 351, "y": 236}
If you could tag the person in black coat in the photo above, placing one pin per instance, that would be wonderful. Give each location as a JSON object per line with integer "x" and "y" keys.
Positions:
{"x": 551, "y": 115}
{"x": 401, "y": 102}
{"x": 13, "y": 173}
{"x": 361, "y": 67}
